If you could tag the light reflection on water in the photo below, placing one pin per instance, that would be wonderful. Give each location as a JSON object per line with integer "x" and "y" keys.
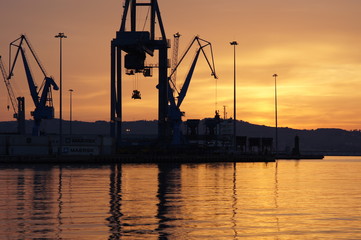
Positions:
{"x": 283, "y": 200}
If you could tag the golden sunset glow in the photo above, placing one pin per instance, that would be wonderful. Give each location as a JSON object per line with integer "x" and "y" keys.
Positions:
{"x": 313, "y": 46}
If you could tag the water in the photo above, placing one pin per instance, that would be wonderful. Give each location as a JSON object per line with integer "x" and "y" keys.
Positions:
{"x": 308, "y": 199}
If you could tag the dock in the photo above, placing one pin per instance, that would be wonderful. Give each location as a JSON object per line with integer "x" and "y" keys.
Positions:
{"x": 134, "y": 158}
{"x": 299, "y": 157}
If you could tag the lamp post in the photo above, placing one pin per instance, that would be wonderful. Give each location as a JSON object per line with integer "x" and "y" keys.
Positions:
{"x": 61, "y": 36}
{"x": 71, "y": 109}
{"x": 234, "y": 44}
{"x": 276, "y": 117}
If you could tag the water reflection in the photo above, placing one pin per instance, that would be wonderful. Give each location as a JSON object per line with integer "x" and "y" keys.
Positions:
{"x": 115, "y": 191}
{"x": 154, "y": 201}
{"x": 276, "y": 200}
{"x": 133, "y": 210}
{"x": 234, "y": 202}
{"x": 42, "y": 202}
{"x": 20, "y": 206}
{"x": 282, "y": 200}
{"x": 32, "y": 209}
{"x": 169, "y": 186}
{"x": 60, "y": 200}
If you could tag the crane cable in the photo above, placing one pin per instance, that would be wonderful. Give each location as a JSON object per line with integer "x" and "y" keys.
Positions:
{"x": 135, "y": 82}
{"x": 146, "y": 18}
{"x": 136, "y": 78}
{"x": 216, "y": 95}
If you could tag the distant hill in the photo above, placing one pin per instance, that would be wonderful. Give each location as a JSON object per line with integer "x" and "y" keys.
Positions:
{"x": 326, "y": 141}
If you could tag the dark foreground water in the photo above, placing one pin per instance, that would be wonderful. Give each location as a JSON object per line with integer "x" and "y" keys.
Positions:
{"x": 308, "y": 199}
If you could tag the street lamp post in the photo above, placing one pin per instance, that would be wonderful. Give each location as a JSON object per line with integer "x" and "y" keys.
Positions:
{"x": 234, "y": 44}
{"x": 71, "y": 110}
{"x": 61, "y": 36}
{"x": 276, "y": 117}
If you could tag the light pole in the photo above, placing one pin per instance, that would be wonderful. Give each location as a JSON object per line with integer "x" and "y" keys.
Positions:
{"x": 71, "y": 109}
{"x": 276, "y": 117}
{"x": 61, "y": 36}
{"x": 234, "y": 44}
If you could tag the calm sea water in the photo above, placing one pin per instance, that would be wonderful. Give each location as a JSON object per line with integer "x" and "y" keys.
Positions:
{"x": 308, "y": 199}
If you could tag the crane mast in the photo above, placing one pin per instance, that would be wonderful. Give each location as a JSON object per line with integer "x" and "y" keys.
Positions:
{"x": 41, "y": 96}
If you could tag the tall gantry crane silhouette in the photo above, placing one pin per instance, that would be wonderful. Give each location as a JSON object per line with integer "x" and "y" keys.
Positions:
{"x": 137, "y": 44}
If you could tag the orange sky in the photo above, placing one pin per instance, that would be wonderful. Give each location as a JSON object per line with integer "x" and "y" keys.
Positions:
{"x": 312, "y": 45}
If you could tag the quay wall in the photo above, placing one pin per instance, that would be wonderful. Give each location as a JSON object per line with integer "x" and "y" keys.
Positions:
{"x": 20, "y": 145}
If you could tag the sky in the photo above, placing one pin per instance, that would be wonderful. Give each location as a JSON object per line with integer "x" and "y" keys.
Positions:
{"x": 313, "y": 46}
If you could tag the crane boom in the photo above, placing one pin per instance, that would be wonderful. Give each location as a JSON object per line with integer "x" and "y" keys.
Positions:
{"x": 42, "y": 97}
{"x": 202, "y": 44}
{"x": 29, "y": 76}
{"x": 185, "y": 86}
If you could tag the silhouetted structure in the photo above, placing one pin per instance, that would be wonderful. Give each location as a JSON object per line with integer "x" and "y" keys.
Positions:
{"x": 192, "y": 128}
{"x": 242, "y": 143}
{"x": 41, "y": 96}
{"x": 296, "y": 148}
{"x": 254, "y": 145}
{"x": 136, "y": 44}
{"x": 267, "y": 145}
{"x": 20, "y": 115}
{"x": 260, "y": 145}
{"x": 19, "y": 110}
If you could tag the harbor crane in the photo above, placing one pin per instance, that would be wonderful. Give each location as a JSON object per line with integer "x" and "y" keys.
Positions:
{"x": 174, "y": 112}
{"x": 41, "y": 96}
{"x": 19, "y": 110}
{"x": 137, "y": 44}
